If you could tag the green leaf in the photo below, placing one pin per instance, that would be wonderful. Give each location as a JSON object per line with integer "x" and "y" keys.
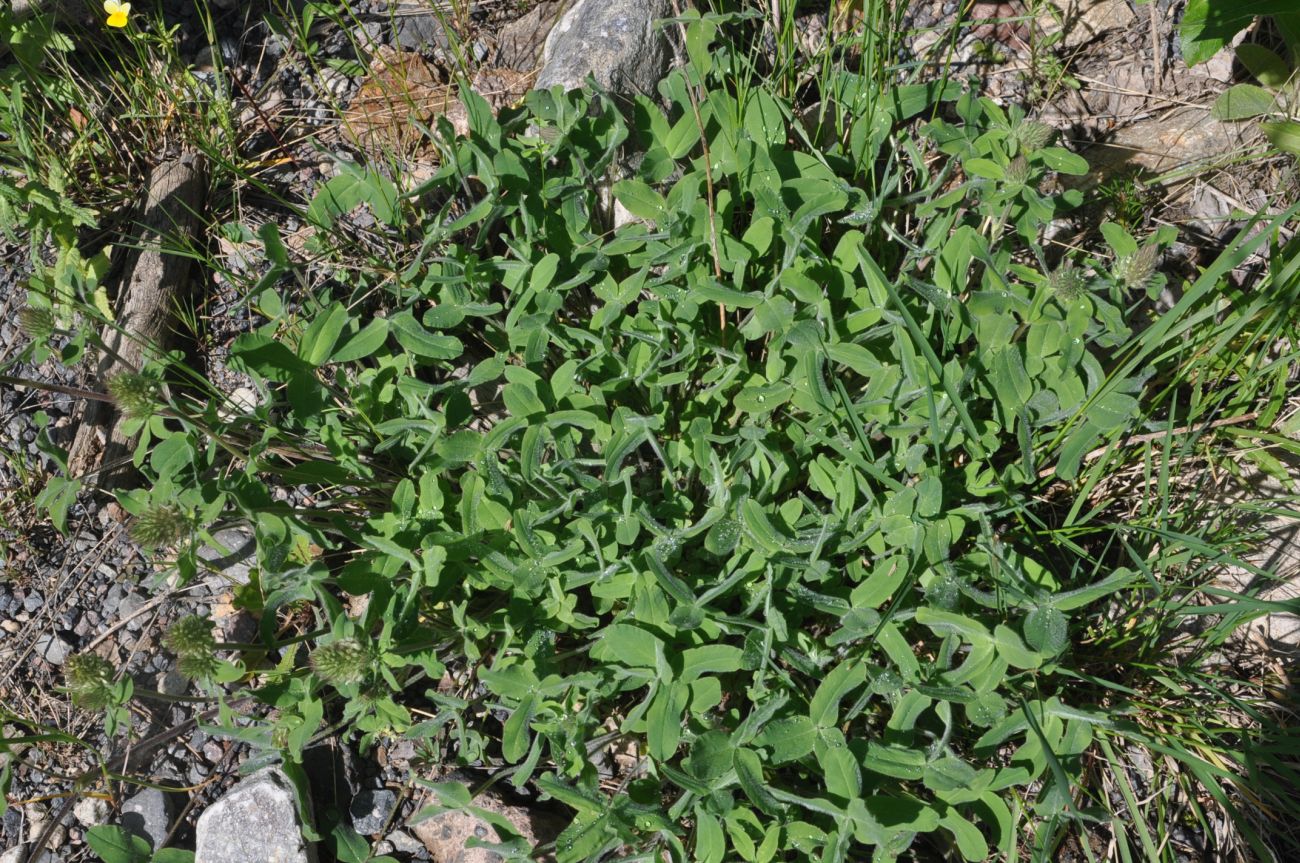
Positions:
{"x": 1062, "y": 160}
{"x": 179, "y": 855}
{"x": 1047, "y": 630}
{"x": 824, "y": 709}
{"x": 317, "y": 343}
{"x": 713, "y": 292}
{"x": 370, "y": 339}
{"x": 115, "y": 845}
{"x": 712, "y": 755}
{"x": 710, "y": 840}
{"x": 897, "y": 761}
{"x": 260, "y": 355}
{"x": 710, "y": 659}
{"x": 856, "y": 357}
{"x": 756, "y": 523}
{"x": 763, "y": 399}
{"x": 764, "y": 120}
{"x": 970, "y": 842}
{"x": 664, "y": 720}
{"x": 1112, "y": 411}
{"x": 515, "y": 738}
{"x": 412, "y": 336}
{"x": 1283, "y": 134}
{"x": 1012, "y": 649}
{"x": 352, "y": 187}
{"x": 749, "y": 770}
{"x": 839, "y": 766}
{"x": 789, "y": 739}
{"x": 628, "y": 645}
{"x": 349, "y": 846}
{"x": 1209, "y": 25}
{"x": 986, "y": 168}
{"x": 1269, "y": 69}
{"x": 949, "y": 774}
{"x": 1243, "y": 101}
{"x": 640, "y": 200}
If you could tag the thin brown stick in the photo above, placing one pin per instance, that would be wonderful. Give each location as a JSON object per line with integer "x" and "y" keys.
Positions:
{"x": 1097, "y": 453}
{"x": 75, "y": 392}
{"x": 1155, "y": 46}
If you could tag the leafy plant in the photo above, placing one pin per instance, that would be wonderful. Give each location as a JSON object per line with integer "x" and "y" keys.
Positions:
{"x": 1209, "y": 25}
{"x": 787, "y": 486}
{"x": 1275, "y": 98}
{"x": 115, "y": 845}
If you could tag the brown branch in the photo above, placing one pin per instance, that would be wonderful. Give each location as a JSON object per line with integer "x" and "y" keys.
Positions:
{"x": 154, "y": 279}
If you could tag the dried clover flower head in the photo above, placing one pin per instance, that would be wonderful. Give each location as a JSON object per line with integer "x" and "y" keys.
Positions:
{"x": 199, "y": 666}
{"x": 90, "y": 680}
{"x": 160, "y": 525}
{"x": 191, "y": 636}
{"x": 38, "y": 324}
{"x": 342, "y": 663}
{"x": 1135, "y": 269}
{"x": 134, "y": 394}
{"x": 1033, "y": 135}
{"x": 1017, "y": 172}
{"x": 1067, "y": 282}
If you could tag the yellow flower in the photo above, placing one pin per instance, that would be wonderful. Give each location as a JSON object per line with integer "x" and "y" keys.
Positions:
{"x": 116, "y": 12}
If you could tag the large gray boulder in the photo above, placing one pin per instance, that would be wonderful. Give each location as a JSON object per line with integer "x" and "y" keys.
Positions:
{"x": 255, "y": 822}
{"x": 618, "y": 42}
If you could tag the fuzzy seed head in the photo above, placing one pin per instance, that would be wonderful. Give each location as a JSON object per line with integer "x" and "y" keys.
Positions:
{"x": 197, "y": 666}
{"x": 90, "y": 680}
{"x": 38, "y": 324}
{"x": 160, "y": 525}
{"x": 191, "y": 636}
{"x": 1033, "y": 135}
{"x": 1067, "y": 282}
{"x": 135, "y": 395}
{"x": 1134, "y": 270}
{"x": 1017, "y": 172}
{"x": 342, "y": 663}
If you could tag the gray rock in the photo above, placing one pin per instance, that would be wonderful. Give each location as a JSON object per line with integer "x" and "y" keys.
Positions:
{"x": 172, "y": 682}
{"x": 130, "y": 604}
{"x": 234, "y": 560}
{"x": 257, "y": 820}
{"x": 404, "y": 843}
{"x": 90, "y": 812}
{"x": 370, "y": 811}
{"x": 52, "y": 649}
{"x": 148, "y": 815}
{"x": 17, "y": 854}
{"x": 415, "y": 32}
{"x": 616, "y": 41}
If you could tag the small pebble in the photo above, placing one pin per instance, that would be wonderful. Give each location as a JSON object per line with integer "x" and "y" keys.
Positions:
{"x": 370, "y": 810}
{"x": 91, "y": 812}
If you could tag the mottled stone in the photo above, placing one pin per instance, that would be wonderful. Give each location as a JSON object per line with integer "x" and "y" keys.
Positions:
{"x": 235, "y": 558}
{"x": 445, "y": 834}
{"x": 621, "y": 43}
{"x": 255, "y": 822}
{"x": 148, "y": 815}
{"x": 52, "y": 649}
{"x": 91, "y": 811}
{"x": 370, "y": 810}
